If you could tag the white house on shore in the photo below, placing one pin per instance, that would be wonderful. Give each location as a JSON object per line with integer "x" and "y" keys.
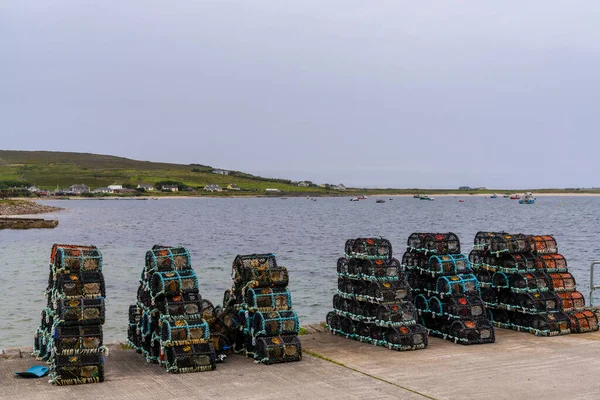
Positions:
{"x": 213, "y": 188}
{"x": 78, "y": 189}
{"x": 172, "y": 188}
{"x": 220, "y": 172}
{"x": 146, "y": 186}
{"x": 102, "y": 190}
{"x": 303, "y": 184}
{"x": 272, "y": 190}
{"x": 115, "y": 187}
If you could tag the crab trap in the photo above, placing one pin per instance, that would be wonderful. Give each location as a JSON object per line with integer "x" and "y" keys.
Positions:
{"x": 71, "y": 340}
{"x": 78, "y": 369}
{"x": 173, "y": 283}
{"x": 538, "y": 302}
{"x": 522, "y": 282}
{"x": 260, "y": 269}
{"x": 86, "y": 284}
{"x": 448, "y": 264}
{"x": 278, "y": 349}
{"x": 190, "y": 358}
{"x": 181, "y": 332}
{"x": 552, "y": 263}
{"x": 406, "y": 337}
{"x": 41, "y": 341}
{"x": 562, "y": 282}
{"x": 74, "y": 259}
{"x": 543, "y": 324}
{"x": 395, "y": 314}
{"x": 184, "y": 306}
{"x": 167, "y": 258}
{"x": 583, "y": 321}
{"x": 80, "y": 312}
{"x": 458, "y": 306}
{"x": 368, "y": 248}
{"x": 571, "y": 301}
{"x": 483, "y": 240}
{"x": 412, "y": 260}
{"x": 543, "y": 244}
{"x": 435, "y": 243}
{"x": 268, "y": 299}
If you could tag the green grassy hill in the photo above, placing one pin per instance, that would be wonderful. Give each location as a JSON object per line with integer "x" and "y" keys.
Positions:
{"x": 48, "y": 169}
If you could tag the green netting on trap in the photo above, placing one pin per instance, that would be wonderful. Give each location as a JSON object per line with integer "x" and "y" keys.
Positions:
{"x": 504, "y": 262}
{"x": 149, "y": 323}
{"x": 355, "y": 309}
{"x": 370, "y": 269}
{"x": 71, "y": 340}
{"x": 274, "y": 323}
{"x": 185, "y": 306}
{"x": 457, "y": 306}
{"x": 78, "y": 369}
{"x": 396, "y": 314}
{"x": 278, "y": 349}
{"x": 368, "y": 248}
{"x": 190, "y": 358}
{"x": 268, "y": 299}
{"x": 406, "y": 337}
{"x": 173, "y": 283}
{"x": 522, "y": 282}
{"x": 66, "y": 258}
{"x": 181, "y": 332}
{"x": 41, "y": 340}
{"x": 435, "y": 243}
{"x": 87, "y": 284}
{"x": 167, "y": 258}
{"x": 538, "y": 302}
{"x": 80, "y": 312}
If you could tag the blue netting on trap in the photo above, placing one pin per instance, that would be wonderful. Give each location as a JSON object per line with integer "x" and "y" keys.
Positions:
{"x": 457, "y": 284}
{"x": 78, "y": 369}
{"x": 448, "y": 264}
{"x": 368, "y": 248}
{"x": 71, "y": 340}
{"x": 67, "y": 258}
{"x": 183, "y": 332}
{"x": 268, "y": 299}
{"x": 275, "y": 323}
{"x": 190, "y": 358}
{"x": 85, "y": 284}
{"x": 167, "y": 258}
{"x": 184, "y": 306}
{"x": 435, "y": 243}
{"x": 173, "y": 283}
{"x": 278, "y": 349}
{"x": 80, "y": 312}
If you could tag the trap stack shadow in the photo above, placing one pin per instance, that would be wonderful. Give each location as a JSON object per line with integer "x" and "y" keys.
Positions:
{"x": 70, "y": 335}
{"x": 258, "y": 313}
{"x": 526, "y": 285}
{"x": 373, "y": 303}
{"x": 167, "y": 323}
{"x": 446, "y": 293}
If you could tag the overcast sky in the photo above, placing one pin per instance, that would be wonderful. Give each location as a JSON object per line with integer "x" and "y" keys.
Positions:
{"x": 365, "y": 93}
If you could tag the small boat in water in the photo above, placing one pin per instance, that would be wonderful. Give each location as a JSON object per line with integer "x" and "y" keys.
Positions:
{"x": 380, "y": 201}
{"x": 494, "y": 196}
{"x": 426, "y": 197}
{"x": 515, "y": 197}
{"x": 361, "y": 197}
{"x": 527, "y": 199}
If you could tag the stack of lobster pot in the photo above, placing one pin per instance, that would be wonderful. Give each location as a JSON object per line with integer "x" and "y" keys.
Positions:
{"x": 257, "y": 311}
{"x": 446, "y": 293}
{"x": 167, "y": 324}
{"x": 373, "y": 302}
{"x": 527, "y": 286}
{"x": 70, "y": 335}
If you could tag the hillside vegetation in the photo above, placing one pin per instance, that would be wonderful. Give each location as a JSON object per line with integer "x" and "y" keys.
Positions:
{"x": 48, "y": 169}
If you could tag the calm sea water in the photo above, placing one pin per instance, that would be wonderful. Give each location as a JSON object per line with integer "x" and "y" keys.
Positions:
{"x": 307, "y": 237}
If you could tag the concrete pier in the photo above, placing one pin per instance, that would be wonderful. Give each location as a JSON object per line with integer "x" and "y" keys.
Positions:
{"x": 518, "y": 366}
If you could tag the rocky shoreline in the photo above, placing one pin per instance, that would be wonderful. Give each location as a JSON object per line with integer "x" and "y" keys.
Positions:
{"x": 24, "y": 207}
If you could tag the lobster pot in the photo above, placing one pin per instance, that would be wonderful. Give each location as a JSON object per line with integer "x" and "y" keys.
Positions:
{"x": 173, "y": 283}
{"x": 191, "y": 358}
{"x": 167, "y": 258}
{"x": 85, "y": 284}
{"x": 473, "y": 331}
{"x": 278, "y": 349}
{"x": 550, "y": 324}
{"x": 267, "y": 277}
{"x": 562, "y": 282}
{"x": 275, "y": 323}
{"x": 449, "y": 264}
{"x": 134, "y": 337}
{"x": 539, "y": 301}
{"x": 544, "y": 244}
{"x": 70, "y": 340}
{"x": 333, "y": 321}
{"x": 80, "y": 312}
{"x": 40, "y": 344}
{"x": 78, "y": 369}
{"x": 476, "y": 258}
{"x": 552, "y": 263}
{"x": 348, "y": 325}
{"x": 185, "y": 306}
{"x": 342, "y": 266}
{"x": 143, "y": 296}
{"x": 504, "y": 317}
{"x": 396, "y": 314}
{"x": 253, "y": 261}
{"x": 209, "y": 311}
{"x": 149, "y": 324}
{"x": 422, "y": 302}
{"x": 464, "y": 306}
{"x": 363, "y": 329}
{"x": 220, "y": 343}
{"x": 420, "y": 282}
{"x": 505, "y": 242}
{"x": 437, "y": 243}
{"x": 457, "y": 284}
{"x": 527, "y": 281}
{"x": 343, "y": 304}
{"x": 369, "y": 248}
{"x": 490, "y": 296}
{"x": 47, "y": 319}
{"x": 583, "y": 321}
{"x": 511, "y": 263}
{"x": 75, "y": 259}
{"x": 388, "y": 269}
{"x": 406, "y": 337}
{"x": 483, "y": 240}
{"x": 135, "y": 314}
{"x": 571, "y": 301}
{"x": 485, "y": 277}
{"x": 353, "y": 287}
{"x": 182, "y": 332}
{"x": 268, "y": 299}
{"x": 412, "y": 260}
{"x": 363, "y": 309}
{"x": 390, "y": 291}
